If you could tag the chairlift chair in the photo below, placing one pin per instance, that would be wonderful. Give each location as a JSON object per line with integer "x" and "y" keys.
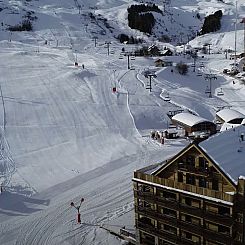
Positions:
{"x": 132, "y": 68}
{"x": 220, "y": 93}
{"x": 199, "y": 73}
{"x": 166, "y": 98}
{"x": 132, "y": 58}
{"x": 207, "y": 90}
{"x": 112, "y": 52}
{"x": 120, "y": 57}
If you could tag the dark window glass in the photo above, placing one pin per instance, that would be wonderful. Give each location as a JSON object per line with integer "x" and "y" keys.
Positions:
{"x": 215, "y": 185}
{"x": 190, "y": 179}
{"x": 180, "y": 177}
{"x": 202, "y": 182}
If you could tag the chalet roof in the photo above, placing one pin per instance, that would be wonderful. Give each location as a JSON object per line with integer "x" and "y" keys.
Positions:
{"x": 229, "y": 114}
{"x": 227, "y": 150}
{"x": 166, "y": 51}
{"x": 188, "y": 119}
{"x": 158, "y": 60}
{"x": 225, "y": 126}
{"x": 153, "y": 46}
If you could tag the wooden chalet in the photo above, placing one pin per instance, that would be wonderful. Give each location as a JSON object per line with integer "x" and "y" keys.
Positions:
{"x": 163, "y": 63}
{"x": 167, "y": 52}
{"x": 196, "y": 197}
{"x": 193, "y": 124}
{"x": 230, "y": 116}
{"x": 238, "y": 56}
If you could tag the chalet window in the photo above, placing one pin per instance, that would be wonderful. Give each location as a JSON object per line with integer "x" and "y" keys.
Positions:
{"x": 170, "y": 229}
{"x": 188, "y": 235}
{"x": 223, "y": 229}
{"x": 180, "y": 177}
{"x": 188, "y": 201}
{"x": 161, "y": 242}
{"x": 215, "y": 184}
{"x": 191, "y": 219}
{"x": 169, "y": 212}
{"x": 202, "y": 182}
{"x": 146, "y": 220}
{"x": 188, "y": 218}
{"x": 146, "y": 188}
{"x": 224, "y": 210}
{"x": 212, "y": 208}
{"x": 146, "y": 239}
{"x": 190, "y": 179}
{"x": 190, "y": 160}
{"x": 169, "y": 195}
{"x": 202, "y": 163}
{"x": 191, "y": 202}
{"x": 146, "y": 204}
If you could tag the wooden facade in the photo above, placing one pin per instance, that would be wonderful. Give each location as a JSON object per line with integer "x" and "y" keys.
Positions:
{"x": 189, "y": 200}
{"x": 202, "y": 126}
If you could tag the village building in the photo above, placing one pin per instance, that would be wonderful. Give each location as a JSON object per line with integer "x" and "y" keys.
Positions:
{"x": 230, "y": 116}
{"x": 162, "y": 63}
{"x": 196, "y": 197}
{"x": 167, "y": 52}
{"x": 153, "y": 50}
{"x": 238, "y": 56}
{"x": 193, "y": 125}
{"x": 241, "y": 64}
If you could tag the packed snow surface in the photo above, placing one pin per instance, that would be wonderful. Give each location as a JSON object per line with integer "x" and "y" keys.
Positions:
{"x": 65, "y": 135}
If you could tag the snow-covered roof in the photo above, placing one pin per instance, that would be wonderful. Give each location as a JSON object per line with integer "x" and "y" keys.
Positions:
{"x": 229, "y": 114}
{"x": 166, "y": 51}
{"x": 228, "y": 151}
{"x": 225, "y": 126}
{"x": 188, "y": 119}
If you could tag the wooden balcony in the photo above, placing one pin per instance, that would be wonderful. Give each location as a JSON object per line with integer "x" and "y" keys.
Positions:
{"x": 150, "y": 197}
{"x": 167, "y": 219}
{"x": 194, "y": 170}
{"x": 183, "y": 208}
{"x": 185, "y": 187}
{"x": 186, "y": 226}
{"x": 170, "y": 237}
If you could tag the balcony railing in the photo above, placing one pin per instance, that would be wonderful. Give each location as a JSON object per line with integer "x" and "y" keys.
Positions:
{"x": 185, "y": 187}
{"x": 175, "y": 205}
{"x": 196, "y": 170}
{"x": 164, "y": 234}
{"x": 183, "y": 225}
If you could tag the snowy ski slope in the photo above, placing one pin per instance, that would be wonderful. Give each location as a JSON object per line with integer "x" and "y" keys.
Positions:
{"x": 66, "y": 135}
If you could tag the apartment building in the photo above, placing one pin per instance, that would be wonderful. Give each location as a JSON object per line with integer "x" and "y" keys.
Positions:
{"x": 196, "y": 197}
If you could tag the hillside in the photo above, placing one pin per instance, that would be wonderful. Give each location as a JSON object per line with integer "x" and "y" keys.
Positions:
{"x": 66, "y": 135}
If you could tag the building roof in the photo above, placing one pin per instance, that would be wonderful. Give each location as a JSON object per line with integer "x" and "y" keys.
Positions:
{"x": 227, "y": 150}
{"x": 158, "y": 60}
{"x": 229, "y": 114}
{"x": 166, "y": 51}
{"x": 188, "y": 119}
